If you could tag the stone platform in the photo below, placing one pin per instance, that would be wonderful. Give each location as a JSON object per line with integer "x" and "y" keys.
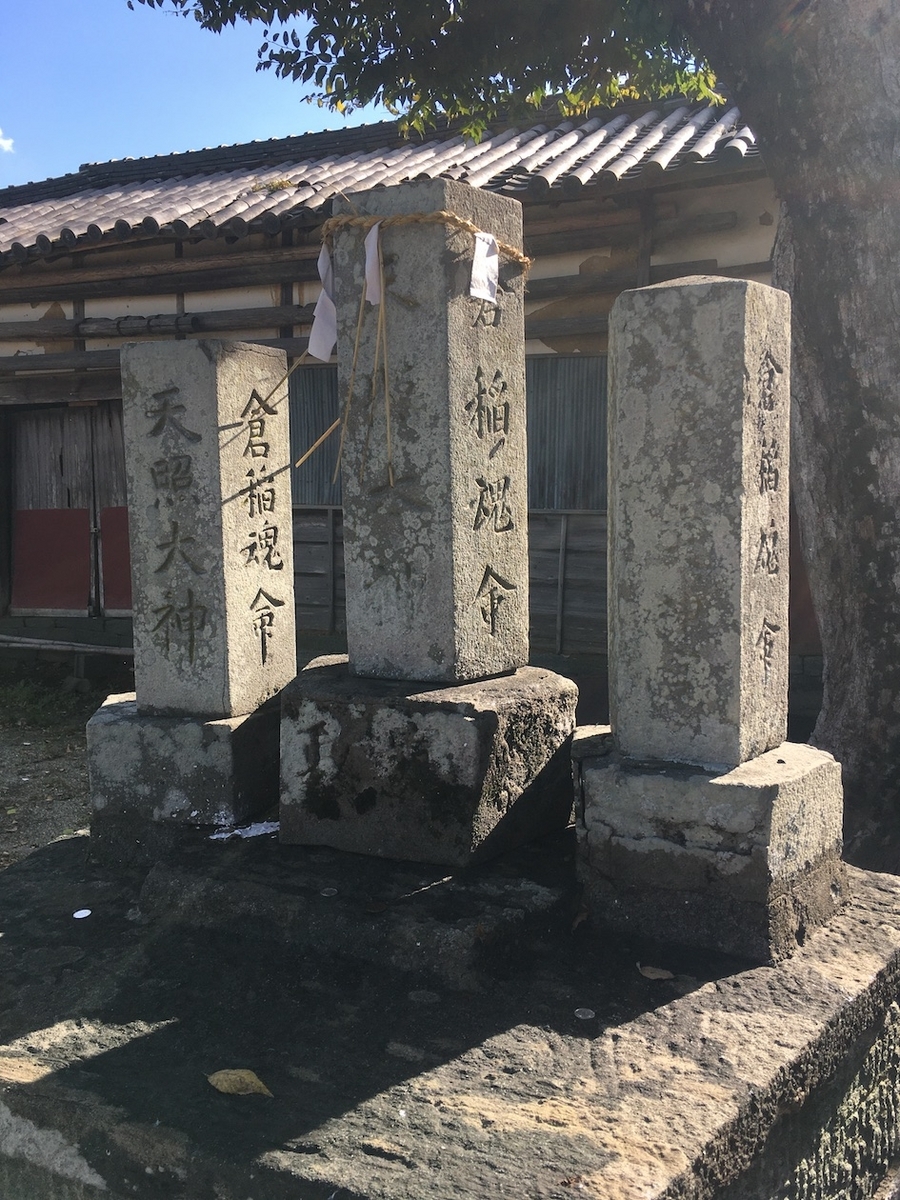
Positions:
{"x": 411, "y": 771}
{"x": 746, "y": 861}
{"x": 561, "y": 1069}
{"x": 151, "y": 771}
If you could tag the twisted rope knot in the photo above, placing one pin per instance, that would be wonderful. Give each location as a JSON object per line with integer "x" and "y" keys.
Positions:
{"x": 441, "y": 217}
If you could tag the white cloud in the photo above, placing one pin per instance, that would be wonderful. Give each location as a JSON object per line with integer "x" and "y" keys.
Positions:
{"x": 6, "y": 144}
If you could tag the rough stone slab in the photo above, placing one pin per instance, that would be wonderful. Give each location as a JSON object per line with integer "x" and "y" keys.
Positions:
{"x": 698, "y": 520}
{"x": 720, "y": 1084}
{"x": 444, "y": 776}
{"x": 437, "y": 565}
{"x": 458, "y": 925}
{"x": 207, "y": 459}
{"x": 178, "y": 770}
{"x": 746, "y": 862}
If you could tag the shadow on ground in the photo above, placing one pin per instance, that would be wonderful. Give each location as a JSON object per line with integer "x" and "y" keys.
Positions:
{"x": 133, "y": 1013}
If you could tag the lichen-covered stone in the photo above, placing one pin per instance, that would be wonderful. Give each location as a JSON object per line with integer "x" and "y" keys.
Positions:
{"x": 698, "y": 520}
{"x": 206, "y": 455}
{"x": 747, "y": 862}
{"x": 179, "y": 770}
{"x": 442, "y": 775}
{"x": 436, "y": 561}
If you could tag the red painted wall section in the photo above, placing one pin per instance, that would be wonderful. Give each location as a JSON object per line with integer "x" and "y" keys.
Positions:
{"x": 115, "y": 560}
{"x": 52, "y": 559}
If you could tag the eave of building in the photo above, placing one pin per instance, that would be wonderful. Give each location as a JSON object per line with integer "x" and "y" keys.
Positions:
{"x": 290, "y": 183}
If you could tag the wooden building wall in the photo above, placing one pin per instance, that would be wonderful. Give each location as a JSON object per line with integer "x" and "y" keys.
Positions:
{"x": 63, "y": 319}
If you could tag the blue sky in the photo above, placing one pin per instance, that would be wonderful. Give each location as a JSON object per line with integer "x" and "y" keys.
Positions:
{"x": 89, "y": 80}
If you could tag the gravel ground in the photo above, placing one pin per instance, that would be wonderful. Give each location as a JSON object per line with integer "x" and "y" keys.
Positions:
{"x": 43, "y": 768}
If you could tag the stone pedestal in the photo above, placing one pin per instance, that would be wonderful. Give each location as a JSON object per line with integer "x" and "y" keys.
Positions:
{"x": 178, "y": 770}
{"x": 698, "y": 821}
{"x": 434, "y": 477}
{"x": 444, "y": 775}
{"x": 746, "y": 862}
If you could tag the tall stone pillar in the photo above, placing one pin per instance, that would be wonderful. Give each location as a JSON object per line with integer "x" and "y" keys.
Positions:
{"x": 700, "y": 821}
{"x": 435, "y": 741}
{"x": 436, "y": 564}
{"x": 207, "y": 462}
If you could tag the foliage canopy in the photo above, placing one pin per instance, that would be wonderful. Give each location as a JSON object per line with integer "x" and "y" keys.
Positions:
{"x": 467, "y": 59}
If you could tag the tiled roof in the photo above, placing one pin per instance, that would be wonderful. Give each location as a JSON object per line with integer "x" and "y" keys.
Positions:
{"x": 268, "y": 186}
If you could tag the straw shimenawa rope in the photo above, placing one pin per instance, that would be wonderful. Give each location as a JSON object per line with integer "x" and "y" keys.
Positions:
{"x": 353, "y": 221}
{"x": 441, "y": 217}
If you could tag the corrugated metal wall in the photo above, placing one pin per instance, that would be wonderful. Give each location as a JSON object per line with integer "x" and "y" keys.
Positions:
{"x": 566, "y": 432}
{"x": 314, "y": 407}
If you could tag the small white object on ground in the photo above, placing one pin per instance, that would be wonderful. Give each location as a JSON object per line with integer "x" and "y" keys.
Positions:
{"x": 258, "y": 829}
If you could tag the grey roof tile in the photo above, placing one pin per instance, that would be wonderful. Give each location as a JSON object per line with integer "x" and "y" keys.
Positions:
{"x": 258, "y": 185}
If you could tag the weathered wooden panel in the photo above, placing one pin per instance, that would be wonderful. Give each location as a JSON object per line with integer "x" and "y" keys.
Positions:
{"x": 53, "y": 459}
{"x": 51, "y": 561}
{"x": 109, "y": 456}
{"x": 67, "y": 460}
{"x": 115, "y": 560}
{"x": 318, "y": 569}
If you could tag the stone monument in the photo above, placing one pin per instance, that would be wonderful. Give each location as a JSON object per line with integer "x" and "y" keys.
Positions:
{"x": 207, "y": 462}
{"x": 698, "y": 821}
{"x": 435, "y": 741}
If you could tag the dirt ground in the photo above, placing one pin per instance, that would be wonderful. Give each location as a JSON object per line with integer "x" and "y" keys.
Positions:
{"x": 43, "y": 769}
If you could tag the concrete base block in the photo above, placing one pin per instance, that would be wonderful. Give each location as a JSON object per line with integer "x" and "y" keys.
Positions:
{"x": 179, "y": 770}
{"x": 747, "y": 862}
{"x": 443, "y": 775}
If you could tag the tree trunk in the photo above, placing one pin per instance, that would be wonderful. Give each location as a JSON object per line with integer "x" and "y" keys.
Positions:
{"x": 819, "y": 81}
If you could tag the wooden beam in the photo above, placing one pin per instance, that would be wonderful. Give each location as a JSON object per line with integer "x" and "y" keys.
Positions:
{"x": 286, "y": 265}
{"x": 17, "y": 365}
{"x": 210, "y": 279}
{"x": 61, "y": 389}
{"x": 588, "y": 239}
{"x": 563, "y": 221}
{"x": 160, "y": 278}
{"x": 544, "y": 327}
{"x": 164, "y": 325}
{"x": 645, "y": 242}
{"x": 556, "y": 286}
{"x": 223, "y": 321}
{"x": 105, "y": 360}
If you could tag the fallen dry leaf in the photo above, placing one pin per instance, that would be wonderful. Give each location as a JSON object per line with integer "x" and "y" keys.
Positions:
{"x": 240, "y": 1082}
{"x": 655, "y": 972}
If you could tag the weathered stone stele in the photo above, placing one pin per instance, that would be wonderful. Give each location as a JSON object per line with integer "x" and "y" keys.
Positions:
{"x": 698, "y": 520}
{"x": 437, "y": 564}
{"x": 207, "y": 458}
{"x": 697, "y": 821}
